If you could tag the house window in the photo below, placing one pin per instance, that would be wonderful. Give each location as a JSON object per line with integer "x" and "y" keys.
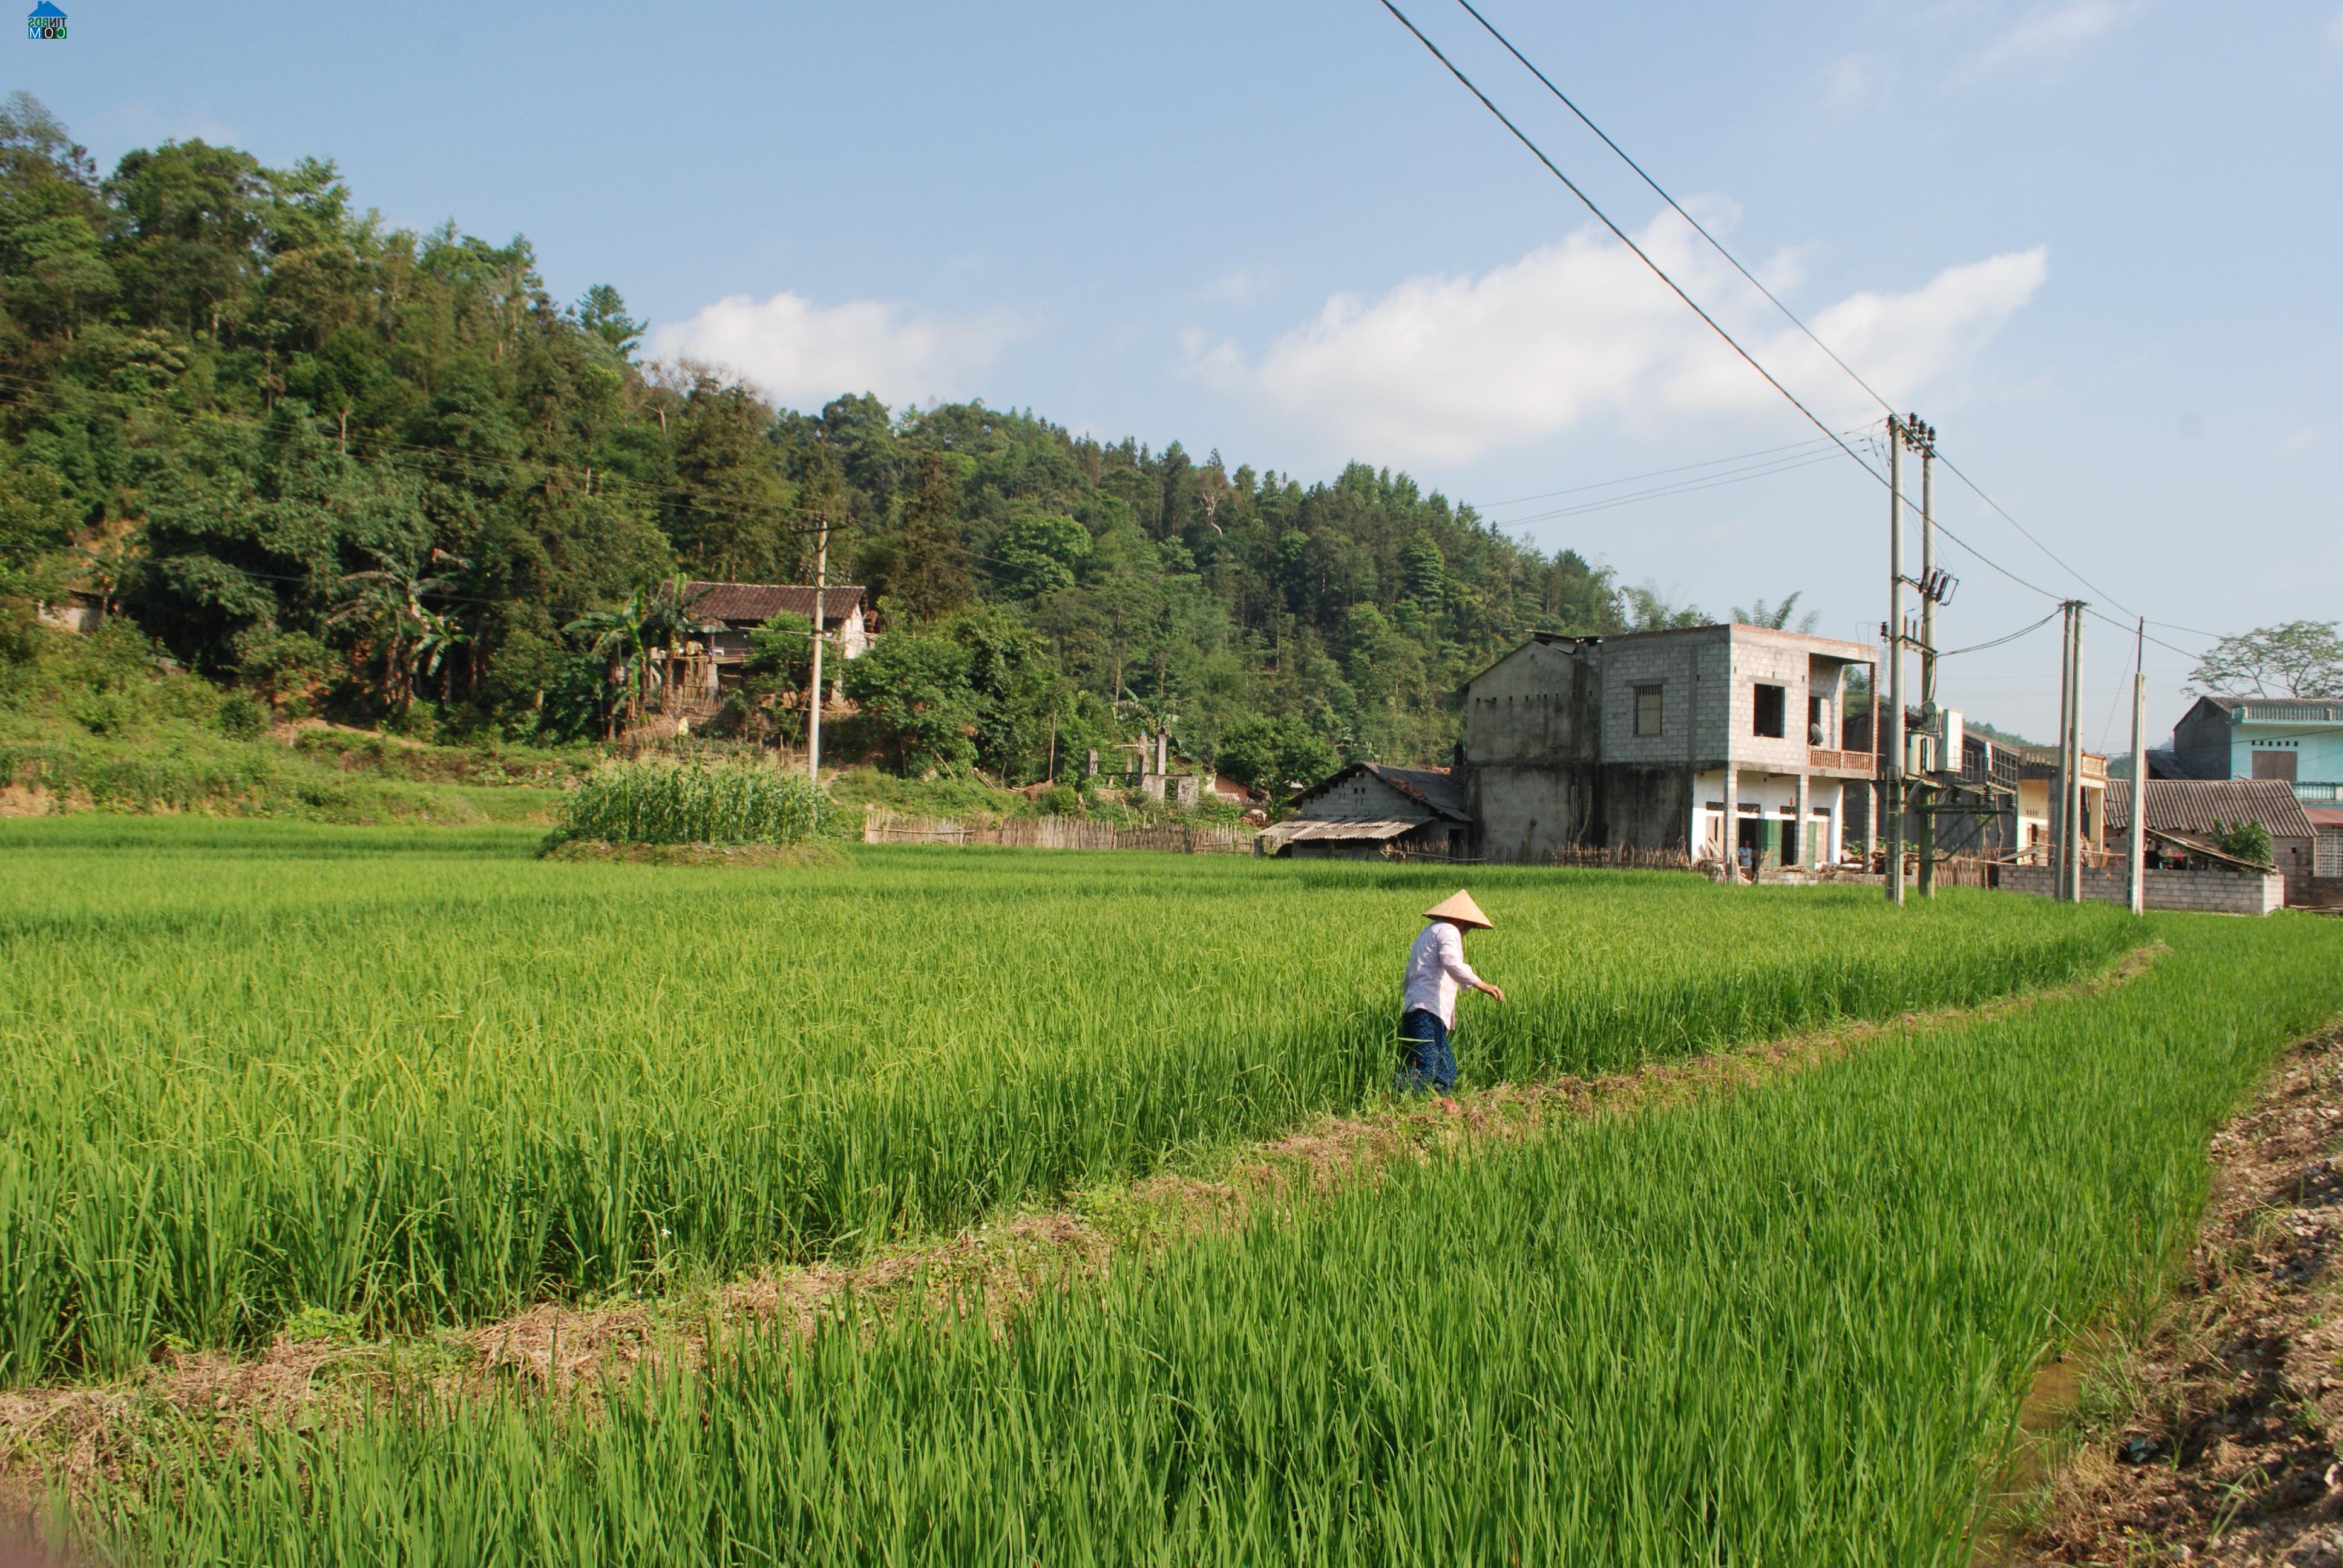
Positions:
{"x": 2273, "y": 765}
{"x": 1647, "y": 709}
{"x": 1818, "y": 722}
{"x": 1769, "y": 705}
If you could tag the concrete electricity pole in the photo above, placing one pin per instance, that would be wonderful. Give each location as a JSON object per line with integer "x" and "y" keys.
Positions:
{"x": 1923, "y": 436}
{"x": 2137, "y": 846}
{"x": 2075, "y": 771}
{"x": 1892, "y": 758}
{"x": 813, "y": 701}
{"x": 2059, "y": 824}
{"x": 2066, "y": 839}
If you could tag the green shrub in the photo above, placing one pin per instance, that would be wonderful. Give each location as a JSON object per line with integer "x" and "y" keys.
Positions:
{"x": 102, "y": 710}
{"x": 241, "y": 718}
{"x": 2247, "y": 841}
{"x": 655, "y": 802}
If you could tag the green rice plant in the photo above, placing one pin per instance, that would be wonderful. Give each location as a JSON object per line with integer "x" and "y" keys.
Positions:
{"x": 660, "y": 802}
{"x": 1789, "y": 1325}
{"x": 248, "y": 1070}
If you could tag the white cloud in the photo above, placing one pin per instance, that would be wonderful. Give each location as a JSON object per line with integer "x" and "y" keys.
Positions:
{"x": 803, "y": 354}
{"x": 2302, "y": 440}
{"x": 2050, "y": 35}
{"x": 2335, "y": 29}
{"x": 1446, "y": 368}
{"x": 1854, "y": 82}
{"x": 1238, "y": 286}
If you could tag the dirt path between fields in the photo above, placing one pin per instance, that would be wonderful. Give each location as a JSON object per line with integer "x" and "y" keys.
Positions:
{"x": 82, "y": 1432}
{"x": 2212, "y": 1436}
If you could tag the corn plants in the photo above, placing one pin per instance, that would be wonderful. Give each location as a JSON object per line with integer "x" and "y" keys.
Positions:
{"x": 660, "y": 802}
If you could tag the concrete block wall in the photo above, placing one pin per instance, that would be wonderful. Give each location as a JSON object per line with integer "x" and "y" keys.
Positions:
{"x": 2319, "y": 892}
{"x": 1362, "y": 798}
{"x": 2201, "y": 892}
{"x": 1667, "y": 662}
{"x": 1756, "y": 660}
{"x": 1527, "y": 707}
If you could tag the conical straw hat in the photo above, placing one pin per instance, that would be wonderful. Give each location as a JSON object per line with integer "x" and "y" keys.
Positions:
{"x": 1461, "y": 909}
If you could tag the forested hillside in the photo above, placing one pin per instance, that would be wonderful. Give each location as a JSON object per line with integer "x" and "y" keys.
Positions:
{"x": 384, "y": 475}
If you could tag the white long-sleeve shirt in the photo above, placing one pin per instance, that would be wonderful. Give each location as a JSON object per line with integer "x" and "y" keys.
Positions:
{"x": 1436, "y": 968}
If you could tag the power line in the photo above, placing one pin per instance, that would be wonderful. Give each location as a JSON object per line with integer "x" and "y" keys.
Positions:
{"x": 1660, "y": 273}
{"x": 2192, "y": 631}
{"x": 1735, "y": 262}
{"x": 1996, "y": 642}
{"x": 1732, "y": 260}
{"x": 1682, "y": 488}
{"x": 2119, "y": 625}
{"x": 1621, "y": 235}
{"x": 1660, "y": 473}
{"x": 2037, "y": 543}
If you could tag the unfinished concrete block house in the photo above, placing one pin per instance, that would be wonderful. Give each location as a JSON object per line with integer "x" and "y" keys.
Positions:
{"x": 1707, "y": 739}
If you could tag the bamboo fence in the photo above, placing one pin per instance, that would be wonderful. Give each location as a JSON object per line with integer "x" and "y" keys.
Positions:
{"x": 883, "y": 826}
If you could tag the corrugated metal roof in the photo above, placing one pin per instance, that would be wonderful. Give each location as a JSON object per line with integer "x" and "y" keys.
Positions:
{"x": 2202, "y": 805}
{"x": 2324, "y": 815}
{"x": 756, "y": 603}
{"x": 1299, "y": 829}
{"x": 1435, "y": 787}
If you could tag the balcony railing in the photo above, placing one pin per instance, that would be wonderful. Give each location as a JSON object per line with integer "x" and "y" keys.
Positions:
{"x": 1859, "y": 764}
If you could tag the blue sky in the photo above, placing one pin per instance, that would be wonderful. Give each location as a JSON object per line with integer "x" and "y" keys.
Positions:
{"x": 2094, "y": 241}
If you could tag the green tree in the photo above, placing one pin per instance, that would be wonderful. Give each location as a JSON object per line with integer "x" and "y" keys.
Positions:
{"x": 187, "y": 229}
{"x": 917, "y": 704}
{"x": 1777, "y": 615}
{"x": 36, "y": 525}
{"x": 1017, "y": 691}
{"x": 2298, "y": 659}
{"x": 1649, "y": 609}
{"x": 1274, "y": 756}
{"x": 603, "y": 314}
{"x": 779, "y": 670}
{"x": 1040, "y": 549}
{"x": 931, "y": 577}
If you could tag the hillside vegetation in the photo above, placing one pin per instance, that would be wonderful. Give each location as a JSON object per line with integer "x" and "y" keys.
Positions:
{"x": 93, "y": 723}
{"x": 384, "y": 476}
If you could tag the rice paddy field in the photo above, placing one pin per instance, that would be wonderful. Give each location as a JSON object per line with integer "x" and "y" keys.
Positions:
{"x": 259, "y": 1069}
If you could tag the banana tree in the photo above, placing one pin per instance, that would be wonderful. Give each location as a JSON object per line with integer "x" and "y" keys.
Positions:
{"x": 630, "y": 642}
{"x": 402, "y": 636}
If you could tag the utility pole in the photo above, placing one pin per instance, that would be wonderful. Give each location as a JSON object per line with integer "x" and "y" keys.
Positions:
{"x": 1879, "y": 744}
{"x": 2067, "y": 841}
{"x": 2075, "y": 773}
{"x": 813, "y": 702}
{"x": 2059, "y": 825}
{"x": 2056, "y": 809}
{"x": 2137, "y": 846}
{"x": 1892, "y": 769}
{"x": 1925, "y": 437}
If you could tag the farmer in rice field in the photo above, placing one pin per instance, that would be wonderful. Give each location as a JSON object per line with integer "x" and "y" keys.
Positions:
{"x": 1436, "y": 968}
